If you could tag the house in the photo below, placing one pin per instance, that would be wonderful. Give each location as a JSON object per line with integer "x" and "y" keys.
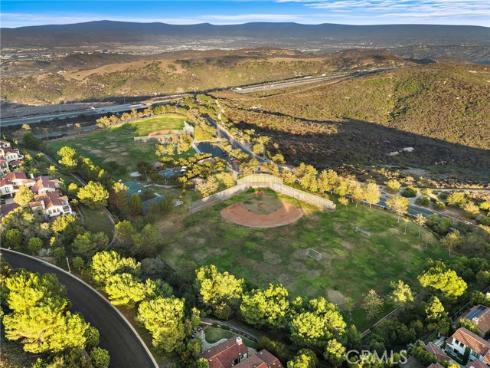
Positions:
{"x": 11, "y": 182}
{"x": 227, "y": 354}
{"x": 4, "y": 166}
{"x": 51, "y": 203}
{"x": 480, "y": 316}
{"x": 4, "y": 144}
{"x": 7, "y": 208}
{"x": 464, "y": 342}
{"x": 476, "y": 364}
{"x": 234, "y": 353}
{"x": 44, "y": 184}
{"x": 12, "y": 156}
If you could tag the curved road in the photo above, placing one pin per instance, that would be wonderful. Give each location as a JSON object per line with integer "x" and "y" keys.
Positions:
{"x": 127, "y": 350}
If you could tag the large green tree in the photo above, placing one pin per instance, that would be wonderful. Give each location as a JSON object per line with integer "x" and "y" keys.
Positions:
{"x": 67, "y": 157}
{"x": 267, "y": 307}
{"x": 106, "y": 263}
{"x": 218, "y": 290}
{"x": 125, "y": 289}
{"x": 164, "y": 318}
{"x": 317, "y": 323}
{"x": 443, "y": 279}
{"x": 94, "y": 195}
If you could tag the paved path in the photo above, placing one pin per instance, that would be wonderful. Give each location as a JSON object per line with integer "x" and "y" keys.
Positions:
{"x": 126, "y": 348}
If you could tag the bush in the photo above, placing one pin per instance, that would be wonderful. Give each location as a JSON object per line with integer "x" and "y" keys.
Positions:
{"x": 277, "y": 348}
{"x": 423, "y": 201}
{"x": 438, "y": 205}
{"x": 409, "y": 192}
{"x": 483, "y": 220}
{"x": 100, "y": 358}
{"x": 440, "y": 225}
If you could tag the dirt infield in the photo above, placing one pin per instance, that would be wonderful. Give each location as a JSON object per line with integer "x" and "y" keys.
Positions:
{"x": 240, "y": 215}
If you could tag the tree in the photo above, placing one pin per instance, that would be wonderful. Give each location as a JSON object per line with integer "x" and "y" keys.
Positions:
{"x": 124, "y": 233}
{"x": 125, "y": 289}
{"x": 12, "y": 238}
{"x": 443, "y": 279}
{"x": 434, "y": 310}
{"x": 420, "y": 220}
{"x": 106, "y": 263}
{"x": 100, "y": 358}
{"x": 34, "y": 245}
{"x": 218, "y": 289}
{"x": 357, "y": 191}
{"x": 393, "y": 185}
{"x": 88, "y": 243}
{"x": 327, "y": 181}
{"x": 24, "y": 196}
{"x": 67, "y": 157}
{"x": 334, "y": 352}
{"x": 305, "y": 358}
{"x": 267, "y": 307}
{"x": 456, "y": 199}
{"x": 94, "y": 195}
{"x": 471, "y": 209}
{"x": 61, "y": 223}
{"x": 372, "y": 194}
{"x": 202, "y": 363}
{"x": 45, "y": 329}
{"x": 402, "y": 293}
{"x": 398, "y": 204}
{"x": 164, "y": 319}
{"x": 372, "y": 304}
{"x": 317, "y": 323}
{"x": 451, "y": 240}
{"x": 208, "y": 187}
{"x": 39, "y": 317}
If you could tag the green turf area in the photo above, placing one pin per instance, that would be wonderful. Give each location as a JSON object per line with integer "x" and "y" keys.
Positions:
{"x": 115, "y": 149}
{"x": 96, "y": 220}
{"x": 214, "y": 334}
{"x": 360, "y": 249}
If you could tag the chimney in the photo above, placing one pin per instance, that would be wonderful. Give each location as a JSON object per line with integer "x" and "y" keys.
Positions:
{"x": 239, "y": 340}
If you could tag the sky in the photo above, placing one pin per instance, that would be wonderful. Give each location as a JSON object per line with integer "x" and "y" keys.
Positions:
{"x": 17, "y": 13}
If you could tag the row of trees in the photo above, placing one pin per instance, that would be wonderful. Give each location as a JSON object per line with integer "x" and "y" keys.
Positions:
{"x": 35, "y": 312}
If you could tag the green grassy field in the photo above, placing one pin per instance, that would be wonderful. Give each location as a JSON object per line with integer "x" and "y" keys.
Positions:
{"x": 359, "y": 248}
{"x": 115, "y": 149}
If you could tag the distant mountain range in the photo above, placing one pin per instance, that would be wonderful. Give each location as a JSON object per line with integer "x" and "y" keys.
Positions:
{"x": 260, "y": 34}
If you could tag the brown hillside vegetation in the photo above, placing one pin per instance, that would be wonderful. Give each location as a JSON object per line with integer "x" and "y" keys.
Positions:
{"x": 442, "y": 111}
{"x": 180, "y": 72}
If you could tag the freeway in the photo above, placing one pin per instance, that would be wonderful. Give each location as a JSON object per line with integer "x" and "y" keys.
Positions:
{"x": 126, "y": 348}
{"x": 285, "y": 83}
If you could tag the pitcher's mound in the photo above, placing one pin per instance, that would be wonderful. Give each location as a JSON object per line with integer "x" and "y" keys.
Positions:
{"x": 286, "y": 214}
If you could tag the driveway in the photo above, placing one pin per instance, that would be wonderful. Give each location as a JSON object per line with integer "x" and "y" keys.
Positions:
{"x": 126, "y": 348}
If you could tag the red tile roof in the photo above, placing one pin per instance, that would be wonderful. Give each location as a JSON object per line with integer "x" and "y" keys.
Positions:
{"x": 270, "y": 359}
{"x": 437, "y": 351}
{"x": 43, "y": 182}
{"x": 15, "y": 175}
{"x": 253, "y": 362}
{"x": 225, "y": 355}
{"x": 476, "y": 364}
{"x": 6, "y": 208}
{"x": 51, "y": 199}
{"x": 435, "y": 365}
{"x": 474, "y": 342}
{"x": 481, "y": 318}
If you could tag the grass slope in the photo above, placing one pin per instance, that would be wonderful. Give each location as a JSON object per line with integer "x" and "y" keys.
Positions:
{"x": 115, "y": 149}
{"x": 361, "y": 248}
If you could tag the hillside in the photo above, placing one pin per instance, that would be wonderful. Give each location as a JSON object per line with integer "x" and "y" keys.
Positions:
{"x": 179, "y": 72}
{"x": 441, "y": 110}
{"x": 291, "y": 34}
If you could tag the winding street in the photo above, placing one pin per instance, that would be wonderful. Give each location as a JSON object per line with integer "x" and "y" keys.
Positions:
{"x": 126, "y": 348}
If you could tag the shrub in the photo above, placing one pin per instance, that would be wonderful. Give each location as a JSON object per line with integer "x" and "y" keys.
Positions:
{"x": 409, "y": 192}
{"x": 423, "y": 201}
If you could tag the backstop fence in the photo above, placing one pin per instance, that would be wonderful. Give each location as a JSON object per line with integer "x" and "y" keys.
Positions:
{"x": 263, "y": 181}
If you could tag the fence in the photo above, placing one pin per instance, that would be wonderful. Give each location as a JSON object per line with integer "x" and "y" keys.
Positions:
{"x": 263, "y": 181}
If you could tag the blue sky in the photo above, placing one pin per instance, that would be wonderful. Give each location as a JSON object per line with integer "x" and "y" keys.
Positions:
{"x": 16, "y": 13}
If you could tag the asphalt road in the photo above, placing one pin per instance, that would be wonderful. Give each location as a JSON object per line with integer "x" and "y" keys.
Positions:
{"x": 126, "y": 350}
{"x": 291, "y": 82}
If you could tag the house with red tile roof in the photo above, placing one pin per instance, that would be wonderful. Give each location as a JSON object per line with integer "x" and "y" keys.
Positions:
{"x": 52, "y": 204}
{"x": 440, "y": 355}
{"x": 234, "y": 353}
{"x": 11, "y": 183}
{"x": 43, "y": 184}
{"x": 464, "y": 342}
{"x": 476, "y": 364}
{"x": 227, "y": 354}
{"x": 12, "y": 156}
{"x": 480, "y": 316}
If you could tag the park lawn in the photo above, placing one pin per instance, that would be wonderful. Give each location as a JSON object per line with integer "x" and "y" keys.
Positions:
{"x": 115, "y": 149}
{"x": 361, "y": 249}
{"x": 96, "y": 220}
